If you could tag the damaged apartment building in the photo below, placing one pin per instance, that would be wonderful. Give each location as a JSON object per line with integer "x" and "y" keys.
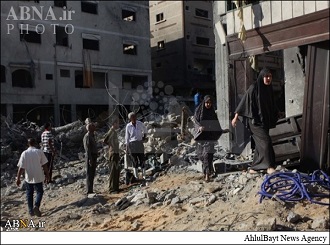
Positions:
{"x": 68, "y": 60}
{"x": 182, "y": 46}
{"x": 291, "y": 38}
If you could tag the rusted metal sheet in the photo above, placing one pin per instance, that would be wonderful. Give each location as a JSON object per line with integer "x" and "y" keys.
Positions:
{"x": 315, "y": 126}
{"x": 298, "y": 31}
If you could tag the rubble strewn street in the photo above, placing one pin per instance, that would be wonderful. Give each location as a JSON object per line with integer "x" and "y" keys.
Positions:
{"x": 173, "y": 197}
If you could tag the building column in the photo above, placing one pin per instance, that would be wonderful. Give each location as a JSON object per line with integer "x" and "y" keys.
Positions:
{"x": 73, "y": 112}
{"x": 222, "y": 89}
{"x": 10, "y": 111}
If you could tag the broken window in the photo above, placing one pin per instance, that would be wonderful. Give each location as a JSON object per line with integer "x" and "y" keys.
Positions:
{"x": 99, "y": 79}
{"x": 202, "y": 13}
{"x": 161, "y": 45}
{"x": 62, "y": 38}
{"x": 130, "y": 49}
{"x": 65, "y": 114}
{"x": 133, "y": 81}
{"x": 60, "y": 4}
{"x": 159, "y": 17}
{"x": 64, "y": 73}
{"x": 202, "y": 66}
{"x": 49, "y": 76}
{"x": 3, "y": 74}
{"x": 78, "y": 78}
{"x": 91, "y": 44}
{"x": 128, "y": 15}
{"x": 203, "y": 41}
{"x": 89, "y": 7}
{"x": 30, "y": 36}
{"x": 22, "y": 78}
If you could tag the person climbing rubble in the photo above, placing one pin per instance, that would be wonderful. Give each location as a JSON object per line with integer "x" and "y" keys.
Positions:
{"x": 208, "y": 131}
{"x": 135, "y": 134}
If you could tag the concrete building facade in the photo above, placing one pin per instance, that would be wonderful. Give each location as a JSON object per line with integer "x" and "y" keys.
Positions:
{"x": 61, "y": 60}
{"x": 291, "y": 38}
{"x": 182, "y": 43}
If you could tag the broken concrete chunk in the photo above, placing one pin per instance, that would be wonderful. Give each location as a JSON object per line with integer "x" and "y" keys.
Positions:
{"x": 320, "y": 223}
{"x": 197, "y": 200}
{"x": 267, "y": 224}
{"x": 293, "y": 217}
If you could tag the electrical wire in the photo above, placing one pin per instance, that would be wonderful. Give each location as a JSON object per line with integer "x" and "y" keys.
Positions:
{"x": 295, "y": 186}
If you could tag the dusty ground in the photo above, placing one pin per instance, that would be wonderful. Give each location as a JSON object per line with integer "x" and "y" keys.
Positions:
{"x": 67, "y": 208}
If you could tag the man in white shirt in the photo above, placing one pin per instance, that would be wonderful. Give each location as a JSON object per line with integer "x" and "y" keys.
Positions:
{"x": 33, "y": 163}
{"x": 134, "y": 136}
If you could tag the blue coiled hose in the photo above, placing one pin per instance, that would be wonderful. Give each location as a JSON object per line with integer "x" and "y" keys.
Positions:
{"x": 293, "y": 186}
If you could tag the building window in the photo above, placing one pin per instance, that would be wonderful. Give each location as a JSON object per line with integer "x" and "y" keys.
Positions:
{"x": 78, "y": 78}
{"x": 49, "y": 76}
{"x": 3, "y": 74}
{"x": 64, "y": 73}
{"x": 132, "y": 82}
{"x": 158, "y": 65}
{"x": 22, "y": 78}
{"x": 91, "y": 44}
{"x": 128, "y": 15}
{"x": 62, "y": 38}
{"x": 203, "y": 41}
{"x": 202, "y": 13}
{"x": 188, "y": 37}
{"x": 187, "y": 8}
{"x": 30, "y": 36}
{"x": 161, "y": 45}
{"x": 160, "y": 17}
{"x": 60, "y": 4}
{"x": 130, "y": 49}
{"x": 89, "y": 7}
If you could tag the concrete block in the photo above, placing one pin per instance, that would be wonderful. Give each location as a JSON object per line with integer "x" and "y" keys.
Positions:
{"x": 267, "y": 224}
{"x": 309, "y": 7}
{"x": 297, "y": 8}
{"x": 164, "y": 158}
{"x": 320, "y": 5}
{"x": 219, "y": 166}
{"x": 276, "y": 7}
{"x": 286, "y": 10}
{"x": 198, "y": 167}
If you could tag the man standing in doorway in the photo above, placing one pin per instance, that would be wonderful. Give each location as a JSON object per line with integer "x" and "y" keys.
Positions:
{"x": 47, "y": 141}
{"x": 134, "y": 137}
{"x": 33, "y": 163}
{"x": 91, "y": 156}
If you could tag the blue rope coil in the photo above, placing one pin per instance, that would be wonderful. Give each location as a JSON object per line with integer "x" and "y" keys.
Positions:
{"x": 292, "y": 187}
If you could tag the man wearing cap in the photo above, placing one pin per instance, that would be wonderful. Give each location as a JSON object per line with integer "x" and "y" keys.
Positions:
{"x": 134, "y": 136}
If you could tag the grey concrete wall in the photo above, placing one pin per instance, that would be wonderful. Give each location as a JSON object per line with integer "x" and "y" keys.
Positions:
{"x": 180, "y": 51}
{"x": 294, "y": 81}
{"x": 107, "y": 24}
{"x": 221, "y": 74}
{"x": 271, "y": 12}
